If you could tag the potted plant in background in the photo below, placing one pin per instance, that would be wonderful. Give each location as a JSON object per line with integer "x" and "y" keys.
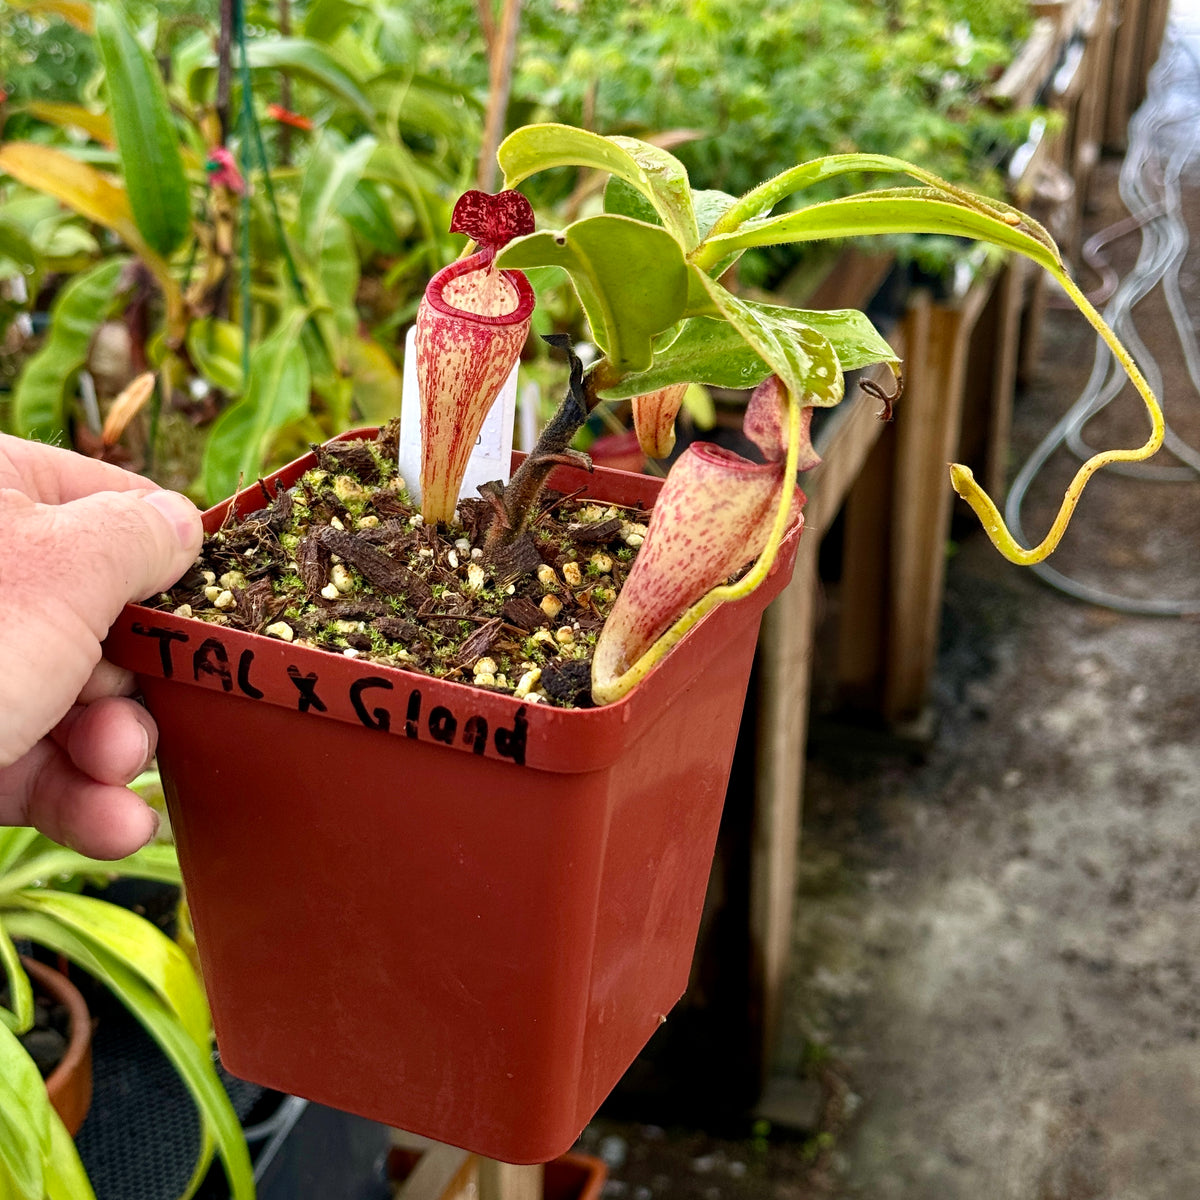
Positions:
{"x": 41, "y": 904}
{"x": 502, "y": 895}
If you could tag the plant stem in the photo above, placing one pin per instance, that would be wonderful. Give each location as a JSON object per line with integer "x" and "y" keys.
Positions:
{"x": 285, "y": 87}
{"x": 517, "y": 501}
{"x": 224, "y": 66}
{"x": 503, "y": 46}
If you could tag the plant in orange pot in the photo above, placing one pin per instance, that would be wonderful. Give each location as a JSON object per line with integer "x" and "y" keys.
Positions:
{"x": 445, "y": 771}
{"x": 40, "y": 904}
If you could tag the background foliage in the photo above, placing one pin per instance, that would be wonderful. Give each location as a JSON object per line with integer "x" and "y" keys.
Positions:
{"x": 346, "y": 218}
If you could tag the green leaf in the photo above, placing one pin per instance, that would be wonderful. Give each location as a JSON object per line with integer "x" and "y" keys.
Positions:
{"x": 97, "y": 125}
{"x": 659, "y": 176}
{"x": 325, "y": 19}
{"x": 40, "y": 396}
{"x": 19, "y": 1015}
{"x": 19, "y": 250}
{"x": 92, "y": 194}
{"x": 338, "y": 274}
{"x": 53, "y": 862}
{"x": 146, "y": 136}
{"x": 622, "y": 199}
{"x": 65, "y": 1177}
{"x": 855, "y": 340}
{"x": 25, "y": 1115}
{"x": 393, "y": 163}
{"x": 156, "y": 862}
{"x": 711, "y": 205}
{"x": 193, "y": 1063}
{"x": 377, "y": 382}
{"x": 215, "y": 348}
{"x": 112, "y": 931}
{"x": 14, "y": 841}
{"x": 95, "y": 196}
{"x": 797, "y": 353}
{"x": 699, "y": 302}
{"x": 428, "y": 107}
{"x": 277, "y": 392}
{"x": 371, "y": 217}
{"x": 897, "y": 210}
{"x": 334, "y": 170}
{"x": 631, "y": 278}
{"x": 305, "y": 59}
{"x": 716, "y": 353}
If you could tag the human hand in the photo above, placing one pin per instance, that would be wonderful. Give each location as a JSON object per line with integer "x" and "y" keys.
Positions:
{"x": 78, "y": 540}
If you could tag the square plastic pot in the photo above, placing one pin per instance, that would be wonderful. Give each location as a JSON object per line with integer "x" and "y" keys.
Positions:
{"x": 442, "y": 908}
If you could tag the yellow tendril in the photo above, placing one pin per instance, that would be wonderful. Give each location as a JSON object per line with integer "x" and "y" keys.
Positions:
{"x": 985, "y": 508}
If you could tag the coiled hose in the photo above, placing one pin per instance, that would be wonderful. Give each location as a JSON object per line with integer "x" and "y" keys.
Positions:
{"x": 1164, "y": 136}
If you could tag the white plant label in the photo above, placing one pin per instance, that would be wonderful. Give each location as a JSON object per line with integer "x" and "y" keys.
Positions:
{"x": 492, "y": 456}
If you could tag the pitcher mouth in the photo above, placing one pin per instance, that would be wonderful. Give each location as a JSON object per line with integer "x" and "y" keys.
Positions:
{"x": 465, "y": 266}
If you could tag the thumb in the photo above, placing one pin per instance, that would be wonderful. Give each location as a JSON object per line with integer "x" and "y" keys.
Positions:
{"x": 113, "y": 547}
{"x": 66, "y": 571}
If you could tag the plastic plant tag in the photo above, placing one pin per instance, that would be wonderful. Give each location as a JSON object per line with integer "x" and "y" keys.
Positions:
{"x": 492, "y": 455}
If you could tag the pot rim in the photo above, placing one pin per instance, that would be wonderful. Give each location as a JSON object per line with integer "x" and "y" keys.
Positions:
{"x": 78, "y": 1054}
{"x": 608, "y": 727}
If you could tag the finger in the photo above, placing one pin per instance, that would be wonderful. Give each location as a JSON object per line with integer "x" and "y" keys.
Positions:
{"x": 107, "y": 679}
{"x": 51, "y": 475}
{"x": 95, "y": 554}
{"x": 101, "y": 820}
{"x": 123, "y": 546}
{"x": 68, "y": 571}
{"x": 111, "y": 740}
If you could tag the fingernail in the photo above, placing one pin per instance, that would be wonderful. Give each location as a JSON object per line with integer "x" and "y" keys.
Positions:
{"x": 147, "y": 751}
{"x": 180, "y": 511}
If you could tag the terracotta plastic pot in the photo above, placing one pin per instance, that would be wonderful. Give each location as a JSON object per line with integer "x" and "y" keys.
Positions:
{"x": 619, "y": 451}
{"x": 69, "y": 1085}
{"x": 445, "y": 909}
{"x": 568, "y": 1177}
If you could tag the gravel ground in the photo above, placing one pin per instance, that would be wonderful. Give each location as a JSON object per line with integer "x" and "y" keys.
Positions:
{"x": 997, "y": 951}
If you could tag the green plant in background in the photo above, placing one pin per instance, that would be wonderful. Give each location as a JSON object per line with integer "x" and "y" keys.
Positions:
{"x": 40, "y": 902}
{"x": 738, "y": 101}
{"x": 229, "y": 276}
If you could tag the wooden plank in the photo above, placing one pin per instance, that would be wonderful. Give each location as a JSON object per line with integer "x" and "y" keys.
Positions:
{"x": 1122, "y": 80}
{"x": 784, "y": 678}
{"x": 863, "y": 593}
{"x": 509, "y": 1181}
{"x": 1153, "y": 29}
{"x": 1028, "y": 71}
{"x": 1098, "y": 35}
{"x": 442, "y": 1173}
{"x": 846, "y": 278}
{"x": 845, "y": 441}
{"x": 1010, "y": 288}
{"x": 785, "y": 671}
{"x": 853, "y": 280}
{"x": 927, "y": 432}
